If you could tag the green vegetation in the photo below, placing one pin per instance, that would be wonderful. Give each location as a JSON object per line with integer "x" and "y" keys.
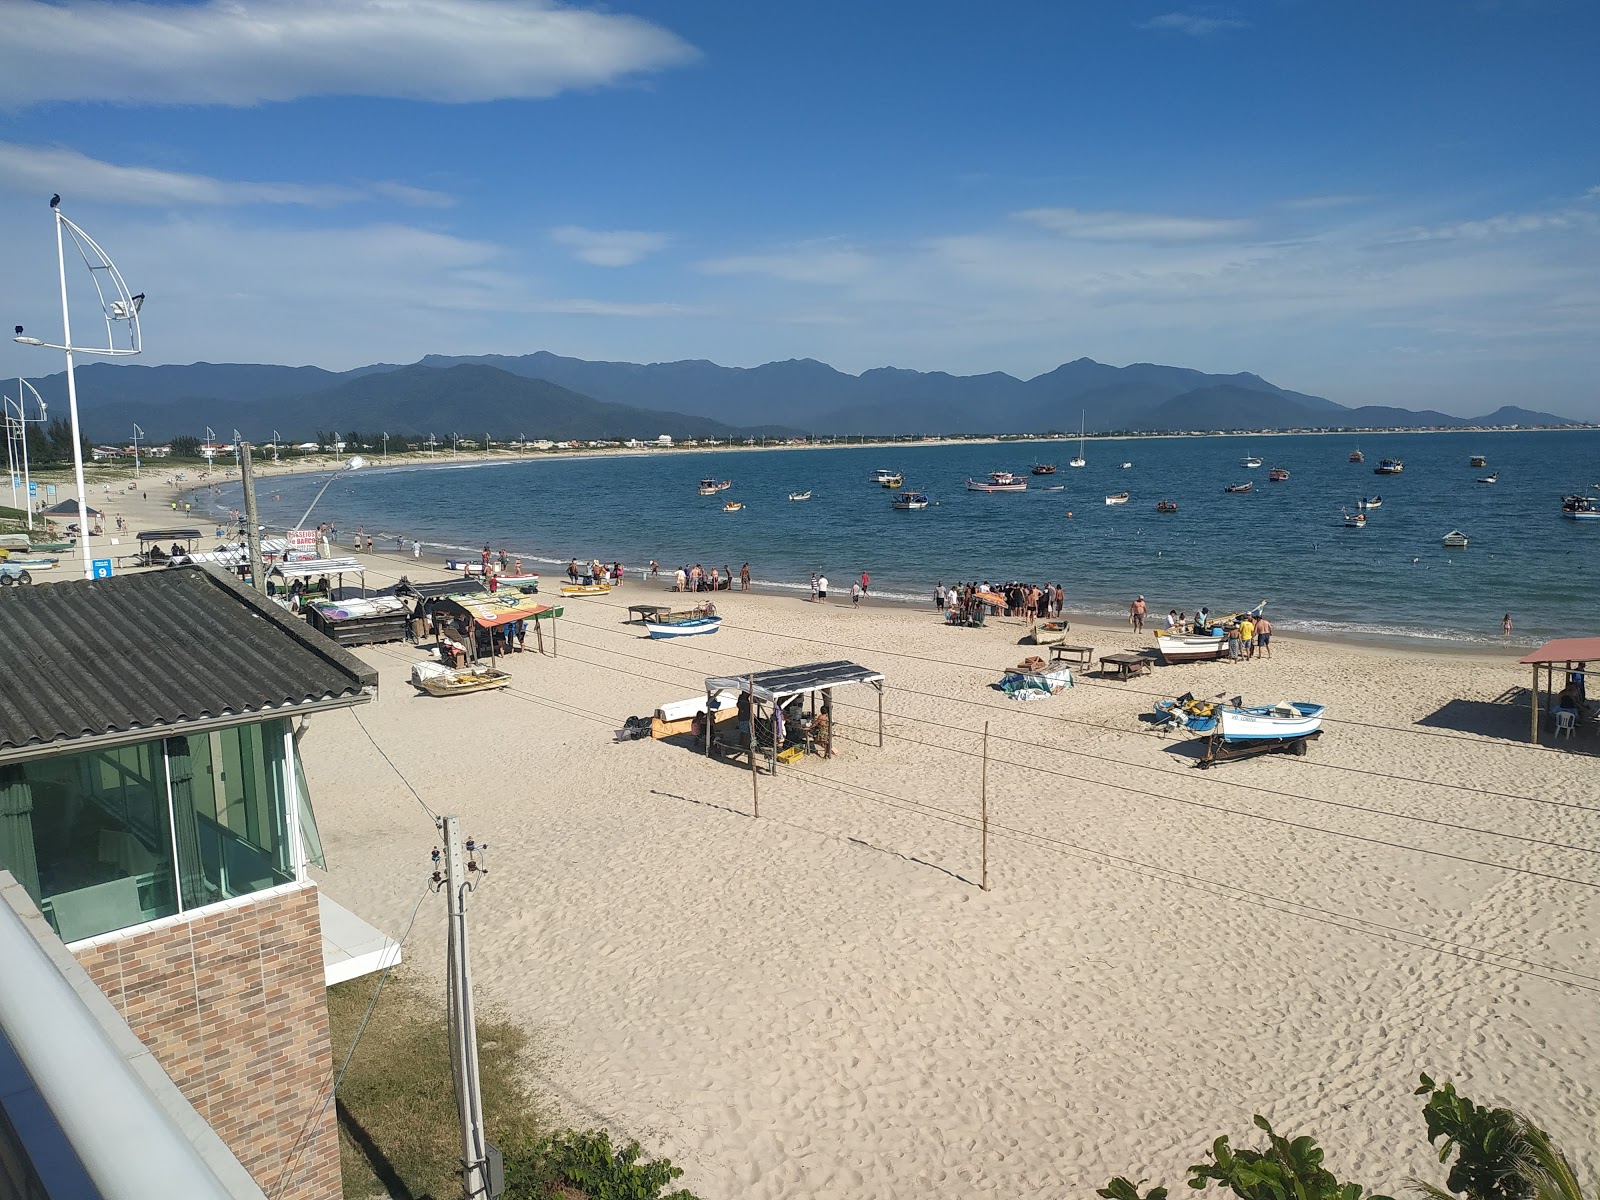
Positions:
{"x": 1500, "y": 1155}
{"x": 398, "y": 1130}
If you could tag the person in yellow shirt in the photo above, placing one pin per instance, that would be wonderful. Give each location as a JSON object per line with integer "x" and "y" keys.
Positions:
{"x": 1247, "y": 637}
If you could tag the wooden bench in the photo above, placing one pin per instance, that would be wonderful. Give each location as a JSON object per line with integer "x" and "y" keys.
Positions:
{"x": 646, "y": 612}
{"x": 1125, "y": 665}
{"x": 1082, "y": 655}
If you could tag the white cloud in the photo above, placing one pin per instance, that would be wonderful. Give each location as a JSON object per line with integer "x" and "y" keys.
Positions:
{"x": 608, "y": 247}
{"x": 1335, "y": 200}
{"x": 56, "y": 169}
{"x": 1193, "y": 24}
{"x": 243, "y": 52}
{"x": 1112, "y": 226}
{"x": 820, "y": 262}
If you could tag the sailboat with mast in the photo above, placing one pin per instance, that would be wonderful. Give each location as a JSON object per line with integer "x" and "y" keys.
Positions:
{"x": 1079, "y": 461}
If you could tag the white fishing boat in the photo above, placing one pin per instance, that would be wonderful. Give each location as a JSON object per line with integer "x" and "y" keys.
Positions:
{"x": 1370, "y": 502}
{"x": 1188, "y": 647}
{"x": 798, "y": 496}
{"x": 1238, "y": 489}
{"x": 1125, "y": 466}
{"x": 999, "y": 481}
{"x": 1251, "y": 461}
{"x": 710, "y": 487}
{"x": 1578, "y": 507}
{"x": 1079, "y": 461}
{"x": 688, "y": 624}
{"x": 1491, "y": 477}
{"x": 1356, "y": 520}
{"x": 882, "y": 476}
{"x": 1117, "y": 498}
{"x": 1455, "y": 540}
{"x": 1269, "y": 722}
{"x": 1389, "y": 466}
{"x": 909, "y": 501}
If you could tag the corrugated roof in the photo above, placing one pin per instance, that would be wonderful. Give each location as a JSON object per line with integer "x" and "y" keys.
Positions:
{"x": 156, "y": 651}
{"x": 792, "y": 681}
{"x": 1564, "y": 650}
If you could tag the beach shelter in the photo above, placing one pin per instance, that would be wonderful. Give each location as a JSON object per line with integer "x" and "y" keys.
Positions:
{"x": 69, "y": 508}
{"x": 314, "y": 568}
{"x": 774, "y": 689}
{"x": 495, "y": 610}
{"x": 1568, "y": 653}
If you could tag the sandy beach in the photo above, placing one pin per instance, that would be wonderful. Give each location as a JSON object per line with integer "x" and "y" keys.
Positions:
{"x": 822, "y": 1002}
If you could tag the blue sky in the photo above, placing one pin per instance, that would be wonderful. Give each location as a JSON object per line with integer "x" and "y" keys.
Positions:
{"x": 1377, "y": 202}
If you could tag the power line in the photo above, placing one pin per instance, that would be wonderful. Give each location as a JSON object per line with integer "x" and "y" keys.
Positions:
{"x": 401, "y": 775}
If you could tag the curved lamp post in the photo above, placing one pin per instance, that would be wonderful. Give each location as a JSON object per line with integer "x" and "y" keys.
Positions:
{"x": 21, "y": 419}
{"x": 119, "y": 307}
{"x": 353, "y": 464}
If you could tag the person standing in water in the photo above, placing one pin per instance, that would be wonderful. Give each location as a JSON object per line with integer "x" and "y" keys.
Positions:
{"x": 1505, "y": 625}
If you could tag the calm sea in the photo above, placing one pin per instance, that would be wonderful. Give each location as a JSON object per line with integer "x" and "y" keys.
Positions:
{"x": 1285, "y": 541}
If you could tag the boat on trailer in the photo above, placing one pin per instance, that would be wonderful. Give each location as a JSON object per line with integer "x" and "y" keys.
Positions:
{"x": 1269, "y": 722}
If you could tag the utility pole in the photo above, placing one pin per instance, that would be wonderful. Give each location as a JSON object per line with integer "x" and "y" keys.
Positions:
{"x": 252, "y": 533}
{"x": 482, "y": 1172}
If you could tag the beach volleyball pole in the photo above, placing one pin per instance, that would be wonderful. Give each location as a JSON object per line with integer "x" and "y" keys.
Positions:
{"x": 755, "y": 788}
{"x": 983, "y": 809}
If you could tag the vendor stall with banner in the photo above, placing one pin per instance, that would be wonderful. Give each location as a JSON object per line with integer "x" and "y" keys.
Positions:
{"x": 498, "y": 620}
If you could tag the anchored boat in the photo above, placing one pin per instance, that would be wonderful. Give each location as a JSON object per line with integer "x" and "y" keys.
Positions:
{"x": 1117, "y": 498}
{"x": 999, "y": 481}
{"x": 1455, "y": 540}
{"x": 1357, "y": 520}
{"x": 1578, "y": 507}
{"x": 909, "y": 501}
{"x": 1044, "y": 468}
{"x": 1238, "y": 489}
{"x": 1389, "y": 466}
{"x": 1277, "y": 475}
{"x": 1167, "y": 506}
{"x": 1371, "y": 502}
{"x": 1479, "y": 460}
{"x": 1251, "y": 461}
{"x": 733, "y": 506}
{"x": 798, "y": 496}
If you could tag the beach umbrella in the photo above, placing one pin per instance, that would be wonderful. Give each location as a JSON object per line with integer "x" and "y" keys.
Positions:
{"x": 69, "y": 508}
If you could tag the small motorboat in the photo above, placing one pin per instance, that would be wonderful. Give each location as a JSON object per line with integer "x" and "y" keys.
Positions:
{"x": 683, "y": 624}
{"x": 460, "y": 681}
{"x": 33, "y": 562}
{"x": 1357, "y": 520}
{"x": 882, "y": 476}
{"x": 1185, "y": 712}
{"x": 1277, "y": 475}
{"x": 909, "y": 501}
{"x": 1238, "y": 489}
{"x": 1117, "y": 498}
{"x": 1491, "y": 477}
{"x": 1044, "y": 468}
{"x": 798, "y": 496}
{"x": 1578, "y": 507}
{"x": 1389, "y": 466}
{"x": 1178, "y": 647}
{"x": 1055, "y": 487}
{"x": 521, "y": 583}
{"x": 999, "y": 481}
{"x": 1478, "y": 460}
{"x": 1167, "y": 506}
{"x": 1268, "y": 722}
{"x": 1125, "y": 466}
{"x": 467, "y": 566}
{"x": 1455, "y": 540}
{"x": 1370, "y": 502}
{"x": 585, "y": 589}
{"x": 1250, "y": 461}
{"x": 733, "y": 506}
{"x": 1357, "y": 456}
{"x": 893, "y": 481}
{"x": 710, "y": 487}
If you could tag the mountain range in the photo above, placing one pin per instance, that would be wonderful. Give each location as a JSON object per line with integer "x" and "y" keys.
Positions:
{"x": 544, "y": 395}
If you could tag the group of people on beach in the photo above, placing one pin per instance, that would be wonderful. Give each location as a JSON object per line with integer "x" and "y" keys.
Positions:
{"x": 1042, "y": 601}
{"x": 699, "y": 579}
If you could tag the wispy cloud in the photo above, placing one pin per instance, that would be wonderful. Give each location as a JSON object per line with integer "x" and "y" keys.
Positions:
{"x": 1114, "y": 226}
{"x": 1195, "y": 24}
{"x": 243, "y": 52}
{"x": 1334, "y": 200}
{"x": 820, "y": 262}
{"x": 608, "y": 247}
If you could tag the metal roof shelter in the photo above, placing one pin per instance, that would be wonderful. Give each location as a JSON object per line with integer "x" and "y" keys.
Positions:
{"x": 170, "y": 535}
{"x": 136, "y": 657}
{"x": 323, "y": 566}
{"x": 1569, "y": 653}
{"x": 773, "y": 688}
{"x": 444, "y": 587}
{"x": 69, "y": 508}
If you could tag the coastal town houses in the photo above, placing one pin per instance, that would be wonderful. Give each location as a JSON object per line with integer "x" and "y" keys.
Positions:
{"x": 154, "y": 811}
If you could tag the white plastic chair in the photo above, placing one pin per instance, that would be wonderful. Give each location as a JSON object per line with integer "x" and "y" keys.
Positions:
{"x": 1566, "y": 720}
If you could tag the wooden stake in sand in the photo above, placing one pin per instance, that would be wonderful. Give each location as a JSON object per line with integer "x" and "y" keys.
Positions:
{"x": 983, "y": 819}
{"x": 755, "y": 788}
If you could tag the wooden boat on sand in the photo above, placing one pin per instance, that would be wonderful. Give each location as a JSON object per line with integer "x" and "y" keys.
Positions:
{"x": 585, "y": 589}
{"x": 682, "y": 624}
{"x": 1177, "y": 647}
{"x": 461, "y": 680}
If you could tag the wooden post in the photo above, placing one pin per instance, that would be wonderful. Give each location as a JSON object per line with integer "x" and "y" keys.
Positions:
{"x": 880, "y": 716}
{"x": 984, "y": 809}
{"x": 1533, "y": 701}
{"x": 755, "y": 788}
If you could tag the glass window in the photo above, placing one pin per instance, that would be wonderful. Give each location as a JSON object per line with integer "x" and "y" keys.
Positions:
{"x": 310, "y": 835}
{"x": 230, "y": 806}
{"x": 87, "y": 835}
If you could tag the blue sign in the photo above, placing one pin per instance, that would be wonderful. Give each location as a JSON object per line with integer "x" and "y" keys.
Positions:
{"x": 33, "y": 489}
{"x": 49, "y": 489}
{"x": 102, "y": 568}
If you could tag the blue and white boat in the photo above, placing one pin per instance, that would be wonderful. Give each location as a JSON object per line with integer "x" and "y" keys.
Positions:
{"x": 682, "y": 625}
{"x": 1269, "y": 722}
{"x": 1196, "y": 716}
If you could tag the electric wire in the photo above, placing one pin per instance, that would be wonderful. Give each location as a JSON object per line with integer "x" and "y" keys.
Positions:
{"x": 398, "y": 773}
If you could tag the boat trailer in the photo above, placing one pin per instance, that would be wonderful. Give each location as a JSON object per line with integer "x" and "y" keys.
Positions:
{"x": 1218, "y": 750}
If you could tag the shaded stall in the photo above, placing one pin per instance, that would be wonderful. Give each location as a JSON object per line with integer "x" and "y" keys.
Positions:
{"x": 150, "y": 541}
{"x": 495, "y": 617}
{"x": 785, "y": 693}
{"x": 1569, "y": 654}
{"x": 317, "y": 567}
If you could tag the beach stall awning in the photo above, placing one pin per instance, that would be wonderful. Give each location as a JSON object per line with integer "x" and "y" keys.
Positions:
{"x": 169, "y": 535}
{"x": 488, "y": 611}
{"x": 442, "y": 589}
{"x": 1566, "y": 650}
{"x": 69, "y": 508}
{"x": 319, "y": 566}
{"x": 774, "y": 686}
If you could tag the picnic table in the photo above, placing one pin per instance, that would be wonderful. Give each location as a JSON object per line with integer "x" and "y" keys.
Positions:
{"x": 1082, "y": 655}
{"x": 1125, "y": 665}
{"x": 647, "y": 612}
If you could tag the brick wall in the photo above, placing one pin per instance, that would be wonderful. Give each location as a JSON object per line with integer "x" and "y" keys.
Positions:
{"x": 233, "y": 1005}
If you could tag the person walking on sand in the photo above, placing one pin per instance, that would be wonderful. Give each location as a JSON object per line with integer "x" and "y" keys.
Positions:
{"x": 855, "y": 595}
{"x": 1264, "y": 636}
{"x": 1061, "y": 600}
{"x": 865, "y": 579}
{"x": 1136, "y": 614}
{"x": 416, "y": 547}
{"x": 822, "y": 588}
{"x": 813, "y": 587}
{"x": 1247, "y": 636}
{"x": 744, "y": 578}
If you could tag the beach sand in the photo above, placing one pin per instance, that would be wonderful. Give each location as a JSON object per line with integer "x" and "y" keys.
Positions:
{"x": 822, "y": 1002}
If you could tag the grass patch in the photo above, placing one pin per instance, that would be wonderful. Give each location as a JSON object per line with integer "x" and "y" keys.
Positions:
{"x": 398, "y": 1129}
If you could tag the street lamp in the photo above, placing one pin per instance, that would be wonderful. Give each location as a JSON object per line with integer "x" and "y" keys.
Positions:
{"x": 276, "y": 438}
{"x": 385, "y": 445}
{"x": 237, "y": 438}
{"x": 20, "y": 421}
{"x": 137, "y": 434}
{"x": 455, "y": 445}
{"x": 355, "y": 463}
{"x": 432, "y": 442}
{"x": 210, "y": 449}
{"x": 117, "y": 307}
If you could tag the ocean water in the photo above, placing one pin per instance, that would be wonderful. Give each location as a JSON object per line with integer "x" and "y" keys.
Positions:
{"x": 1284, "y": 542}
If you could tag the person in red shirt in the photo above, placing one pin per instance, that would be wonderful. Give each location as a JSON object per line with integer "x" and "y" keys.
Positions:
{"x": 865, "y": 579}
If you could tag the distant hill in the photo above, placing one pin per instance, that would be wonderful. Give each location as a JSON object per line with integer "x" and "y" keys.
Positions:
{"x": 547, "y": 395}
